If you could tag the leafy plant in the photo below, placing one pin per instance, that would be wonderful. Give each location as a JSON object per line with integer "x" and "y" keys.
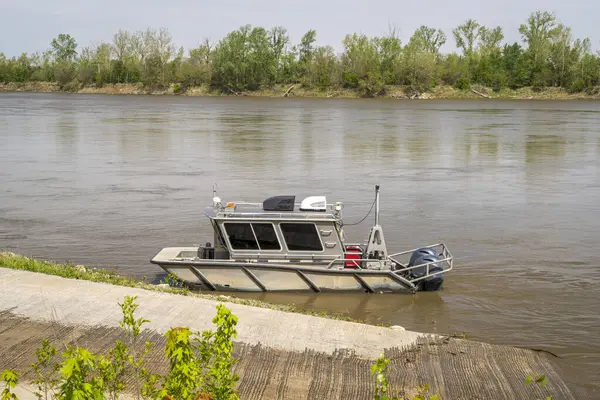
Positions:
{"x": 382, "y": 392}
{"x": 462, "y": 335}
{"x": 216, "y": 355}
{"x": 11, "y": 379}
{"x": 379, "y": 370}
{"x": 78, "y": 382}
{"x": 132, "y": 327}
{"x": 184, "y": 377}
{"x": 113, "y": 369}
{"x": 422, "y": 394}
{"x": 173, "y": 280}
{"x": 46, "y": 371}
{"x": 541, "y": 381}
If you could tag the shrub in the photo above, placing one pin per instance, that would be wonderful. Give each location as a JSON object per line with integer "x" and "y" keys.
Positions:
{"x": 462, "y": 83}
{"x": 577, "y": 86}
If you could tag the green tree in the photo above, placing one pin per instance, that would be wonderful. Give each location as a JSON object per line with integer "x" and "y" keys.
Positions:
{"x": 516, "y": 65}
{"x": 466, "y": 36}
{"x": 565, "y": 55}
{"x": 322, "y": 68}
{"x": 389, "y": 49}
{"x": 419, "y": 62}
{"x": 123, "y": 50}
{"x": 360, "y": 61}
{"x": 307, "y": 47}
{"x": 430, "y": 39}
{"x": 278, "y": 40}
{"x": 43, "y": 67}
{"x": 64, "y": 47}
{"x": 290, "y": 68}
{"x": 487, "y": 63}
{"x": 588, "y": 66}
{"x": 261, "y": 62}
{"x": 538, "y": 34}
{"x": 452, "y": 68}
{"x": 244, "y": 60}
{"x": 489, "y": 40}
{"x": 21, "y": 68}
{"x": 196, "y": 69}
{"x": 5, "y": 75}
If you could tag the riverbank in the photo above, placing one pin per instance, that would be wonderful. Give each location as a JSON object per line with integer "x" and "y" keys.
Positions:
{"x": 81, "y": 272}
{"x": 282, "y": 354}
{"x": 391, "y": 92}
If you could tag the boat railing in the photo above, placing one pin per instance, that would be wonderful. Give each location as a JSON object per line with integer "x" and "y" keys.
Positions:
{"x": 445, "y": 261}
{"x": 356, "y": 261}
{"x": 275, "y": 215}
{"x": 255, "y": 210}
{"x": 260, "y": 205}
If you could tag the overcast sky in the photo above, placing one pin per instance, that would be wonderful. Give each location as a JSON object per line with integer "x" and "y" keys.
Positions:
{"x": 30, "y": 25}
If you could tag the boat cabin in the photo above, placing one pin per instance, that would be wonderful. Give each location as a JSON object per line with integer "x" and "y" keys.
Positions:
{"x": 278, "y": 229}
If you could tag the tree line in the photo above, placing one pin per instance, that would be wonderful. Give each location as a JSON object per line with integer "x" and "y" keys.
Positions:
{"x": 253, "y": 58}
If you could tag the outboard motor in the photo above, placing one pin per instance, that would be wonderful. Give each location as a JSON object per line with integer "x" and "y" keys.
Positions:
{"x": 424, "y": 256}
{"x": 425, "y": 251}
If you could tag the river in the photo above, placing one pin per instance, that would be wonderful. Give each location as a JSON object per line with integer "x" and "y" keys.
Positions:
{"x": 512, "y": 187}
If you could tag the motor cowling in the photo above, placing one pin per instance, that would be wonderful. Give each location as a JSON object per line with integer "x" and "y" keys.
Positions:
{"x": 425, "y": 256}
{"x": 425, "y": 251}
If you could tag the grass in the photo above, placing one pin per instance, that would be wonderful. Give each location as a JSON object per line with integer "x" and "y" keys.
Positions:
{"x": 81, "y": 272}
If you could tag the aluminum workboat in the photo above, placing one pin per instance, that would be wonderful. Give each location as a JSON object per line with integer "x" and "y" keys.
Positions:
{"x": 282, "y": 245}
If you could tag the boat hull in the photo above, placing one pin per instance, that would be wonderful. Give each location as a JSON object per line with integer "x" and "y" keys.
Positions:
{"x": 291, "y": 275}
{"x": 252, "y": 278}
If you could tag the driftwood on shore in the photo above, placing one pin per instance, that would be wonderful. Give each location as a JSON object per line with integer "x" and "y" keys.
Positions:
{"x": 411, "y": 95}
{"x": 289, "y": 91}
{"x": 236, "y": 93}
{"x": 480, "y": 94}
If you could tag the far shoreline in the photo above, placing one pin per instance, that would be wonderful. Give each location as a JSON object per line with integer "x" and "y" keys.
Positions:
{"x": 298, "y": 91}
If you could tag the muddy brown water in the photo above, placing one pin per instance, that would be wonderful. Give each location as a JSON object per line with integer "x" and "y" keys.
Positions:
{"x": 512, "y": 187}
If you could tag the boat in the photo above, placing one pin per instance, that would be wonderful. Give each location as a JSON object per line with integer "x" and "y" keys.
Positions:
{"x": 282, "y": 245}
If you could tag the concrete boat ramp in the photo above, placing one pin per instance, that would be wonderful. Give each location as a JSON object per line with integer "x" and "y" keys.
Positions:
{"x": 282, "y": 355}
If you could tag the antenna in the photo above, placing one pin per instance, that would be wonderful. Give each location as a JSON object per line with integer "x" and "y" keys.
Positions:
{"x": 216, "y": 200}
{"x": 376, "y": 205}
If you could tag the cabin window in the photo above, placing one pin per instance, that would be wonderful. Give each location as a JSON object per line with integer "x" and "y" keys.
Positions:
{"x": 265, "y": 234}
{"x": 301, "y": 236}
{"x": 261, "y": 236}
{"x": 219, "y": 235}
{"x": 241, "y": 236}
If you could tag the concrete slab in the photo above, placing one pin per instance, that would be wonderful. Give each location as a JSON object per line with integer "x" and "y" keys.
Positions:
{"x": 45, "y": 298}
{"x": 282, "y": 355}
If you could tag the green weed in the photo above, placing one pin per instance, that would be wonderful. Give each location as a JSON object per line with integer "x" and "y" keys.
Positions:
{"x": 10, "y": 378}
{"x": 382, "y": 391}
